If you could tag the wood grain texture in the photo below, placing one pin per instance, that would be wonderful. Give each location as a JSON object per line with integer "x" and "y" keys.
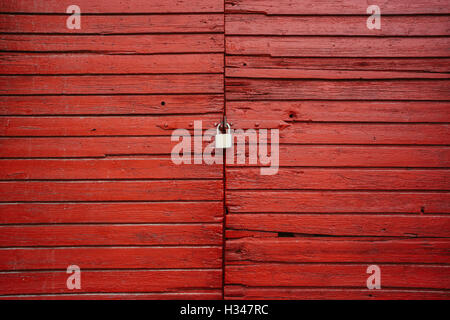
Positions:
{"x": 246, "y": 293}
{"x": 344, "y": 224}
{"x": 359, "y": 156}
{"x": 116, "y": 104}
{"x": 62, "y": 147}
{"x": 114, "y": 6}
{"x": 117, "y": 84}
{"x": 341, "y": 111}
{"x": 321, "y": 7}
{"x": 362, "y": 116}
{"x": 329, "y": 275}
{"x": 359, "y": 179}
{"x": 163, "y": 190}
{"x": 338, "y": 46}
{"x": 335, "y": 201}
{"x": 355, "y": 133}
{"x": 298, "y": 250}
{"x": 167, "y": 281}
{"x": 113, "y": 24}
{"x": 110, "y": 235}
{"x": 19, "y": 63}
{"x": 258, "y": 24}
{"x": 289, "y": 89}
{"x": 111, "y": 212}
{"x": 417, "y": 66}
{"x": 110, "y": 258}
{"x": 104, "y": 126}
{"x": 106, "y": 169}
{"x": 190, "y": 295}
{"x": 125, "y": 44}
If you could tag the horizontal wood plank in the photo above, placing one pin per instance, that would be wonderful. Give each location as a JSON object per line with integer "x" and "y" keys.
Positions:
{"x": 329, "y": 178}
{"x": 338, "y": 46}
{"x": 297, "y": 250}
{"x": 105, "y": 169}
{"x": 114, "y": 6}
{"x": 84, "y": 147}
{"x": 284, "y": 275}
{"x": 353, "y": 133}
{"x": 341, "y": 111}
{"x": 115, "y": 24}
{"x": 245, "y": 293}
{"x": 116, "y": 104}
{"x": 110, "y": 235}
{"x": 104, "y": 126}
{"x": 191, "y": 295}
{"x": 289, "y": 89}
{"x": 356, "y": 156}
{"x": 315, "y": 201}
{"x": 419, "y": 67}
{"x": 258, "y": 24}
{"x": 111, "y": 190}
{"x": 117, "y": 84}
{"x": 121, "y": 212}
{"x": 322, "y": 7}
{"x": 168, "y": 281}
{"x": 125, "y": 44}
{"x": 110, "y": 258}
{"x": 19, "y": 63}
{"x": 342, "y": 224}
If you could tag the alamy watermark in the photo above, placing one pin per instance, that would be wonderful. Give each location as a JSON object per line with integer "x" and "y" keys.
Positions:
{"x": 190, "y": 148}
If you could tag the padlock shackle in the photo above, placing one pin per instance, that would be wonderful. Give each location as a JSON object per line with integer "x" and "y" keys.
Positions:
{"x": 227, "y": 125}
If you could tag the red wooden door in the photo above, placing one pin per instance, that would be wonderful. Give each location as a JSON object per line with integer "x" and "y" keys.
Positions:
{"x": 363, "y": 178}
{"x": 86, "y": 176}
{"x": 85, "y": 169}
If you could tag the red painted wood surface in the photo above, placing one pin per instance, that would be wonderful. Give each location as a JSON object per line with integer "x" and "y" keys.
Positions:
{"x": 86, "y": 176}
{"x": 363, "y": 152}
{"x": 86, "y": 173}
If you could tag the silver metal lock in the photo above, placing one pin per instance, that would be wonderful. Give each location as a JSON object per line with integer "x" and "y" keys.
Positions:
{"x": 223, "y": 140}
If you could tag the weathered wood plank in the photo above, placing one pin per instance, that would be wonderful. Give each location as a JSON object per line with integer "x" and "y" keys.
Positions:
{"x": 102, "y": 126}
{"x": 297, "y": 250}
{"x": 360, "y": 156}
{"x": 110, "y": 235}
{"x": 353, "y": 133}
{"x": 245, "y": 293}
{"x": 112, "y": 84}
{"x": 113, "y": 24}
{"x": 125, "y": 212}
{"x": 421, "y": 66}
{"x": 338, "y": 46}
{"x": 109, "y": 281}
{"x": 289, "y": 89}
{"x": 320, "y": 7}
{"x": 324, "y": 275}
{"x": 83, "y": 147}
{"x": 191, "y": 295}
{"x": 258, "y": 24}
{"x": 126, "y": 44}
{"x": 302, "y": 201}
{"x": 329, "y": 178}
{"x": 164, "y": 190}
{"x": 19, "y": 63}
{"x": 341, "y": 111}
{"x": 110, "y": 258}
{"x": 66, "y": 169}
{"x": 114, "y": 6}
{"x": 328, "y": 74}
{"x": 117, "y": 104}
{"x": 380, "y": 225}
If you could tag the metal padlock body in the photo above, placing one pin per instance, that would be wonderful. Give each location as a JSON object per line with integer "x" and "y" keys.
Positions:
{"x": 223, "y": 140}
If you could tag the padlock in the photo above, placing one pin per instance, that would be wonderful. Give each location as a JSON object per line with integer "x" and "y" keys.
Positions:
{"x": 223, "y": 140}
